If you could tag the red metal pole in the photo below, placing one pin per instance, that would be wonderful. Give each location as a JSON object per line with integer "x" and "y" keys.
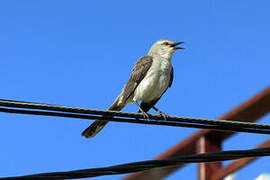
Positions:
{"x": 208, "y": 144}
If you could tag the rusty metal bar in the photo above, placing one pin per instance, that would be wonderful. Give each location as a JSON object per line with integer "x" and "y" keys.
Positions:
{"x": 249, "y": 111}
{"x": 208, "y": 144}
{"x": 236, "y": 165}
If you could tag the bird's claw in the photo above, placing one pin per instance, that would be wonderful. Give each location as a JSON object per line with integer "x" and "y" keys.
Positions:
{"x": 163, "y": 115}
{"x": 145, "y": 116}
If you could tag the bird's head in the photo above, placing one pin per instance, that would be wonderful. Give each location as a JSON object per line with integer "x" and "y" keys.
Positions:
{"x": 164, "y": 48}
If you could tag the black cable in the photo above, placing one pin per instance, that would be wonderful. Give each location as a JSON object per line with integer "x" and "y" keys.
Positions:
{"x": 84, "y": 113}
{"x": 170, "y": 121}
{"x": 146, "y": 165}
{"x": 237, "y": 128}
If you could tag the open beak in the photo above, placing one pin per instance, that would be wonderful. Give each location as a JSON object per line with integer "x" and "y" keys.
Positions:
{"x": 175, "y": 44}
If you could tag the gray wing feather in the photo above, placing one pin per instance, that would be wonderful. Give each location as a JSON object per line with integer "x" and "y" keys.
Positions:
{"x": 138, "y": 73}
{"x": 171, "y": 79}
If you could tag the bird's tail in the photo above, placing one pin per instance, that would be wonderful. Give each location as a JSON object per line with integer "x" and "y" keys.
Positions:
{"x": 98, "y": 125}
{"x": 94, "y": 128}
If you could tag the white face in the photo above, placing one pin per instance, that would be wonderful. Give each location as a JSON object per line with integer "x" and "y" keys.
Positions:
{"x": 165, "y": 45}
{"x": 164, "y": 48}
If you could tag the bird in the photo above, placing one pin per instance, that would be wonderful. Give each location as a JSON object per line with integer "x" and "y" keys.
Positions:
{"x": 150, "y": 78}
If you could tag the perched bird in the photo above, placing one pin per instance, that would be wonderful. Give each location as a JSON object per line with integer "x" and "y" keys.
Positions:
{"x": 151, "y": 76}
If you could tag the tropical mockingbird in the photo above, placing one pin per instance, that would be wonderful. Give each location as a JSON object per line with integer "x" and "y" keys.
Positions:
{"x": 151, "y": 76}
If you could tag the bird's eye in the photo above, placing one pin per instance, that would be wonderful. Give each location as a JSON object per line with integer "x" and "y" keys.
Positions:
{"x": 166, "y": 43}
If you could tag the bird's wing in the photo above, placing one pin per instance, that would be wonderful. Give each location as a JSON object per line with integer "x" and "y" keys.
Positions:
{"x": 171, "y": 79}
{"x": 147, "y": 106}
{"x": 138, "y": 73}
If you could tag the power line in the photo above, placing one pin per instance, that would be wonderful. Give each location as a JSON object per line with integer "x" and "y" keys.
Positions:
{"x": 84, "y": 113}
{"x": 146, "y": 165}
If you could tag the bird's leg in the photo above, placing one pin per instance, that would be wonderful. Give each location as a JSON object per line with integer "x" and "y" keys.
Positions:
{"x": 146, "y": 116}
{"x": 160, "y": 113}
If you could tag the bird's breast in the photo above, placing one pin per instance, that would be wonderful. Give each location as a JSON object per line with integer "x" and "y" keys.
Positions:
{"x": 155, "y": 82}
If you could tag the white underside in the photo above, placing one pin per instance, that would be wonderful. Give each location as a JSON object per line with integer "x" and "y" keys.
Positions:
{"x": 155, "y": 82}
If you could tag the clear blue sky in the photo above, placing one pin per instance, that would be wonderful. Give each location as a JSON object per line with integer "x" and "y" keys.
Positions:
{"x": 62, "y": 52}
